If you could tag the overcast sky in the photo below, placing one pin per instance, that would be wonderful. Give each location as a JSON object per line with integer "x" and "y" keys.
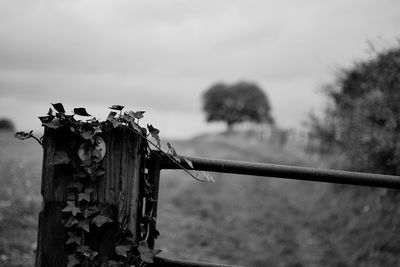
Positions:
{"x": 160, "y": 56}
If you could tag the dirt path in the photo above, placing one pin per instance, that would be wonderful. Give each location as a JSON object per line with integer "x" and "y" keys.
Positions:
{"x": 240, "y": 220}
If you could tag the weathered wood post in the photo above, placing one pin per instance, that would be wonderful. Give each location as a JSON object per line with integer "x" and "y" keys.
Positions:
{"x": 117, "y": 187}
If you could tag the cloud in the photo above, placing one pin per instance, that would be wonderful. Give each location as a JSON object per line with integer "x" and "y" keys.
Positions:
{"x": 161, "y": 55}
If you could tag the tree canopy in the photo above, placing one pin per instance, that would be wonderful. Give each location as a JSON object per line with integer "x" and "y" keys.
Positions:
{"x": 363, "y": 118}
{"x": 240, "y": 102}
{"x": 6, "y": 125}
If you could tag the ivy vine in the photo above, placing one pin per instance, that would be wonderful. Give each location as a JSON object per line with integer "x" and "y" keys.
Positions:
{"x": 81, "y": 210}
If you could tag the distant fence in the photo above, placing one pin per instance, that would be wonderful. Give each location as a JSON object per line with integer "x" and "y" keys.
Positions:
{"x": 125, "y": 172}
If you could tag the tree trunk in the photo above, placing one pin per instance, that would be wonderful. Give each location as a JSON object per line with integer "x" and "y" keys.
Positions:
{"x": 229, "y": 128}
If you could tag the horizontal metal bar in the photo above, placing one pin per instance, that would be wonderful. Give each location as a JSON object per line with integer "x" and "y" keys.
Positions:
{"x": 284, "y": 171}
{"x": 164, "y": 262}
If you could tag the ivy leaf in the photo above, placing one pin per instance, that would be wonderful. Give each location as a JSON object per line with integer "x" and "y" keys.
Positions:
{"x": 59, "y": 107}
{"x": 190, "y": 163}
{"x": 85, "y": 195}
{"x": 99, "y": 220}
{"x": 172, "y": 150}
{"x": 50, "y": 113}
{"x": 60, "y": 157}
{"x": 116, "y": 107}
{"x": 73, "y": 239}
{"x": 154, "y": 233}
{"x": 71, "y": 222}
{"x": 77, "y": 185}
{"x": 81, "y": 112}
{"x": 90, "y": 211}
{"x": 152, "y": 129}
{"x": 71, "y": 208}
{"x": 111, "y": 116}
{"x": 87, "y": 252}
{"x": 139, "y": 114}
{"x": 84, "y": 225}
{"x": 87, "y": 134}
{"x": 154, "y": 133}
{"x": 123, "y": 250}
{"x": 115, "y": 123}
{"x": 46, "y": 119}
{"x": 73, "y": 260}
{"x": 53, "y": 124}
{"x": 129, "y": 116}
{"x": 147, "y": 254}
{"x": 136, "y": 127}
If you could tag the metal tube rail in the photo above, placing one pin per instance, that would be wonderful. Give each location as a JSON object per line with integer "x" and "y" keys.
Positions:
{"x": 284, "y": 171}
{"x": 164, "y": 262}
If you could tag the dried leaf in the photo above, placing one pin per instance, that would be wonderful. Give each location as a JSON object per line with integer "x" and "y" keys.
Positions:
{"x": 189, "y": 163}
{"x": 22, "y": 135}
{"x": 117, "y": 107}
{"x": 81, "y": 112}
{"x": 99, "y": 220}
{"x": 208, "y": 177}
{"x": 147, "y": 254}
{"x": 123, "y": 250}
{"x": 59, "y": 107}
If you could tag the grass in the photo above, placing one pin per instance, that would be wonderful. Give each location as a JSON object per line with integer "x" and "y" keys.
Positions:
{"x": 20, "y": 168}
{"x": 237, "y": 220}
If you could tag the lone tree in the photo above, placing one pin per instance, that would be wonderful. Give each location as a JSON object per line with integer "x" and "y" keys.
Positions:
{"x": 6, "y": 125}
{"x": 236, "y": 103}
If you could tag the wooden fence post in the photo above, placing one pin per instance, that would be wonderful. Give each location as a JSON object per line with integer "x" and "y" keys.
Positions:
{"x": 118, "y": 187}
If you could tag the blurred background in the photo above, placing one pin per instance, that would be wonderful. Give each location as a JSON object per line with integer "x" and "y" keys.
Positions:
{"x": 306, "y": 83}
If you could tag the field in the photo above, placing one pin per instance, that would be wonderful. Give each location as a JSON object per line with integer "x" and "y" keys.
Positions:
{"x": 239, "y": 220}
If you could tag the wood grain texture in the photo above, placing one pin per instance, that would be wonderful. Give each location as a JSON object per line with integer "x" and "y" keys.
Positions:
{"x": 119, "y": 187}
